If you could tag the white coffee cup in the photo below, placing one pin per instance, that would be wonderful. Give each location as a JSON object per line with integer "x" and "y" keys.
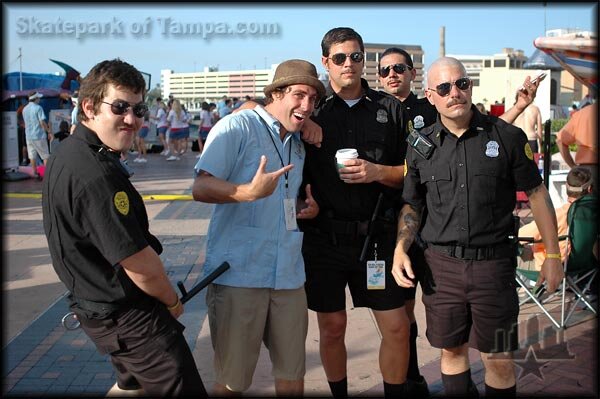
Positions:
{"x": 343, "y": 154}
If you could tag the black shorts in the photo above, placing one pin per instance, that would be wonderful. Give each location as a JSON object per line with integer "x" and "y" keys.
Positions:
{"x": 477, "y": 295}
{"x": 330, "y": 268}
{"x": 148, "y": 351}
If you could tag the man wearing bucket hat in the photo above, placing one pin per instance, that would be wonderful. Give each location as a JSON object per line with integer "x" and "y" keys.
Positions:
{"x": 251, "y": 167}
{"x": 36, "y": 130}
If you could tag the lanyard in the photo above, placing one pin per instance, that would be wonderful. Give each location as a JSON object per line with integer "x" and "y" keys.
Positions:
{"x": 277, "y": 150}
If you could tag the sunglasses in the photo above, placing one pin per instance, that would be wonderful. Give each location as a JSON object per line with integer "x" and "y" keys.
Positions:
{"x": 398, "y": 68}
{"x": 443, "y": 89}
{"x": 340, "y": 58}
{"x": 119, "y": 107}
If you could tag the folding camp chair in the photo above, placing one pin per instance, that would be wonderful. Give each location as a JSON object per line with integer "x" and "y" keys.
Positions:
{"x": 580, "y": 267}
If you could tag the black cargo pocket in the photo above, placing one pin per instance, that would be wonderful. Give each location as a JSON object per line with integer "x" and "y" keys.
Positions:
{"x": 167, "y": 330}
{"x": 105, "y": 339}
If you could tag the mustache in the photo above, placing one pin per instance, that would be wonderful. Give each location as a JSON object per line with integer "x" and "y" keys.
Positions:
{"x": 454, "y": 102}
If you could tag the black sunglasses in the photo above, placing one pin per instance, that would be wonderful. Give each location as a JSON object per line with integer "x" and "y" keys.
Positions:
{"x": 443, "y": 89}
{"x": 340, "y": 58}
{"x": 398, "y": 68}
{"x": 119, "y": 107}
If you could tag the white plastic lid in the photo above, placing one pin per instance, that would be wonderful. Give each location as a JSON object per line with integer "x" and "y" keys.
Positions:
{"x": 346, "y": 153}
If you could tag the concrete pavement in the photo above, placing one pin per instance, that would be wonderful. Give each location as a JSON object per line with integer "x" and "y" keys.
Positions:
{"x": 41, "y": 358}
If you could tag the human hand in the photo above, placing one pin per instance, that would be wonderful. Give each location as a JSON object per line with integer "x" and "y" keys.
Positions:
{"x": 312, "y": 133}
{"x": 359, "y": 171}
{"x": 402, "y": 269}
{"x": 526, "y": 94}
{"x": 311, "y": 209}
{"x": 263, "y": 184}
{"x": 552, "y": 273}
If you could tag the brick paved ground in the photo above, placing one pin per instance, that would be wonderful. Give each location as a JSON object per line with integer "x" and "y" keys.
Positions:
{"x": 42, "y": 359}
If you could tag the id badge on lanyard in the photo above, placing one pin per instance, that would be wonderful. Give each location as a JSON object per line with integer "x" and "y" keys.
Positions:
{"x": 375, "y": 272}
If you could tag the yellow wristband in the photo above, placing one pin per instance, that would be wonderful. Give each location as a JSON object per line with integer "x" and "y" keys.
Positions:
{"x": 174, "y": 306}
{"x": 553, "y": 256}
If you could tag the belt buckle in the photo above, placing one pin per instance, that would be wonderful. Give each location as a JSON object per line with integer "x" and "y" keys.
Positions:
{"x": 459, "y": 252}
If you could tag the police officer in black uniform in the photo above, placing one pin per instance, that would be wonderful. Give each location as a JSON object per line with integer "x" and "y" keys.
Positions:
{"x": 354, "y": 116}
{"x": 466, "y": 175}
{"x": 97, "y": 230}
{"x": 396, "y": 72}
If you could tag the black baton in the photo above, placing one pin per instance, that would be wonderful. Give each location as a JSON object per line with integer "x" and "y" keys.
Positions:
{"x": 187, "y": 295}
{"x": 363, "y": 253}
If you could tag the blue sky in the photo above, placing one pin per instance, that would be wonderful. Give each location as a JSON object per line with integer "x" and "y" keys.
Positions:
{"x": 146, "y": 36}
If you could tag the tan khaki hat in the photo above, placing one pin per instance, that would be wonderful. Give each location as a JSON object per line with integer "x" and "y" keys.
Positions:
{"x": 295, "y": 72}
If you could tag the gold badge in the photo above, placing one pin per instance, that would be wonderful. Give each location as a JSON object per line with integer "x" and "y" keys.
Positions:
{"x": 405, "y": 167}
{"x": 528, "y": 152}
{"x": 122, "y": 202}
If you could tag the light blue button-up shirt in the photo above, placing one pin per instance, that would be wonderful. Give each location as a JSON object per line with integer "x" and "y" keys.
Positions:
{"x": 32, "y": 115}
{"x": 252, "y": 236}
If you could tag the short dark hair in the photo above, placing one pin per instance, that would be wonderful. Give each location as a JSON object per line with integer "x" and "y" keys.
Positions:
{"x": 340, "y": 35}
{"x": 577, "y": 178}
{"x": 109, "y": 72}
{"x": 397, "y": 50}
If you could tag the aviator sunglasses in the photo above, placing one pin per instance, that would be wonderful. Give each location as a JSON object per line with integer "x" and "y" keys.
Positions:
{"x": 398, "y": 68}
{"x": 443, "y": 89}
{"x": 119, "y": 107}
{"x": 340, "y": 58}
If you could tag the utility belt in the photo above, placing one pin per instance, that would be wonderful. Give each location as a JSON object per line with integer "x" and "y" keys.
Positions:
{"x": 476, "y": 253}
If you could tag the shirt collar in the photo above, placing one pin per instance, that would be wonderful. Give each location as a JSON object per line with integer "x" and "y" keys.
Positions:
{"x": 478, "y": 123}
{"x": 274, "y": 124}
{"x": 330, "y": 94}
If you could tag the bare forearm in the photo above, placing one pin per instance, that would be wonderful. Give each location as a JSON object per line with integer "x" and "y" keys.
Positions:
{"x": 409, "y": 223}
{"x": 391, "y": 176}
{"x": 545, "y": 217}
{"x": 212, "y": 190}
{"x": 510, "y": 115}
{"x": 566, "y": 154}
{"x": 146, "y": 270}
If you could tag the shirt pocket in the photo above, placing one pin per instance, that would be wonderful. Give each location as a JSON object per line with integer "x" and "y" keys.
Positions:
{"x": 438, "y": 182}
{"x": 486, "y": 183}
{"x": 374, "y": 145}
{"x": 250, "y": 246}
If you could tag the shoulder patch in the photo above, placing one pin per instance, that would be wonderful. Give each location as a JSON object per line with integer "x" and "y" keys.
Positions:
{"x": 121, "y": 201}
{"x": 528, "y": 152}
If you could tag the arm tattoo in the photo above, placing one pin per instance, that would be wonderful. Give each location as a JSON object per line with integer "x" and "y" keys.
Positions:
{"x": 408, "y": 224}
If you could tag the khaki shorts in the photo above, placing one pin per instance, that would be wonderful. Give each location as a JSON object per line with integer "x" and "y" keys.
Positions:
{"x": 241, "y": 318}
{"x": 38, "y": 147}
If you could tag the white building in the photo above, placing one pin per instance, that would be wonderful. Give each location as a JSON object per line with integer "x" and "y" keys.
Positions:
{"x": 191, "y": 88}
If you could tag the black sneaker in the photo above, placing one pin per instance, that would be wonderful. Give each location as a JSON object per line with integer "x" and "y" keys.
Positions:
{"x": 418, "y": 388}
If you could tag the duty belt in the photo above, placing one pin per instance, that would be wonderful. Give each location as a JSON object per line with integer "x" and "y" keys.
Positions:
{"x": 476, "y": 253}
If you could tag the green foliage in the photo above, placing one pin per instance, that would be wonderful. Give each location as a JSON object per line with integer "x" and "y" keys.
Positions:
{"x": 558, "y": 124}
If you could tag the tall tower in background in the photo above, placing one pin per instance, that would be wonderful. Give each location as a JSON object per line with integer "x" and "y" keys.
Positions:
{"x": 442, "y": 41}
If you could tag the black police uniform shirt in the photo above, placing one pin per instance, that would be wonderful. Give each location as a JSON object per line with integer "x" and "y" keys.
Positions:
{"x": 469, "y": 183}
{"x": 420, "y": 111}
{"x": 93, "y": 218}
{"x": 376, "y": 127}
